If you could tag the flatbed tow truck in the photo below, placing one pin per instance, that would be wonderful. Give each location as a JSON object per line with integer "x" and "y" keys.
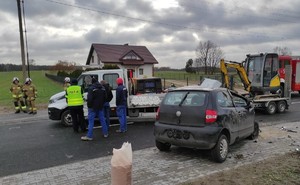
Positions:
{"x": 259, "y": 76}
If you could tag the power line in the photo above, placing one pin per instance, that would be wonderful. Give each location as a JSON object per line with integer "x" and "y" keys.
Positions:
{"x": 165, "y": 24}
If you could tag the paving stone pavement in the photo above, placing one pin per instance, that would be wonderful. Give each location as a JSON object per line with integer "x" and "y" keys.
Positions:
{"x": 151, "y": 166}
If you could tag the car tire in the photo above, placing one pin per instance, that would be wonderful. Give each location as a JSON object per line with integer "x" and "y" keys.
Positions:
{"x": 66, "y": 118}
{"x": 281, "y": 106}
{"x": 255, "y": 133}
{"x": 271, "y": 108}
{"x": 220, "y": 151}
{"x": 162, "y": 146}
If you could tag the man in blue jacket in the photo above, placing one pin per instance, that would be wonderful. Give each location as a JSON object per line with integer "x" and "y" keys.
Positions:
{"x": 95, "y": 102}
{"x": 121, "y": 102}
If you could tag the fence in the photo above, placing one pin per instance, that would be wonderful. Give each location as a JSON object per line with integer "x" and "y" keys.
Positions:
{"x": 59, "y": 79}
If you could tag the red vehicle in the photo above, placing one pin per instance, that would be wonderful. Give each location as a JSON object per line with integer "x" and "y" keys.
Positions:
{"x": 295, "y": 64}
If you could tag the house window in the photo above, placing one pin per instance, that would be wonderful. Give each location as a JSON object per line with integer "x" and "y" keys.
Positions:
{"x": 131, "y": 56}
{"x": 93, "y": 59}
{"x": 141, "y": 71}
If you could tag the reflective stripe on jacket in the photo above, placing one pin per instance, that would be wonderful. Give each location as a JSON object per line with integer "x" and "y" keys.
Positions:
{"x": 74, "y": 95}
{"x": 16, "y": 91}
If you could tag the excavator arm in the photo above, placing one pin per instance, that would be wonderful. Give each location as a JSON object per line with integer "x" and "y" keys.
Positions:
{"x": 224, "y": 65}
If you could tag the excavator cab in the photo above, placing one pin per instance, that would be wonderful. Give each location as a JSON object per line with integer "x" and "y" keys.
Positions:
{"x": 262, "y": 72}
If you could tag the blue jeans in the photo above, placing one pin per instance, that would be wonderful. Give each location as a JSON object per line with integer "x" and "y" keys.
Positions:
{"x": 106, "y": 110}
{"x": 91, "y": 116}
{"x": 121, "y": 112}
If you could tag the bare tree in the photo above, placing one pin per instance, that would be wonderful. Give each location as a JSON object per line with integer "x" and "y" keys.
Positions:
{"x": 208, "y": 56}
{"x": 63, "y": 65}
{"x": 282, "y": 51}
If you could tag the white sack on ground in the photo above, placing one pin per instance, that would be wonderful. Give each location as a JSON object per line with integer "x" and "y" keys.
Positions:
{"x": 121, "y": 165}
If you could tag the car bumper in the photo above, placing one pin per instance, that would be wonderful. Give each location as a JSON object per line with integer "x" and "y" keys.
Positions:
{"x": 54, "y": 113}
{"x": 184, "y": 136}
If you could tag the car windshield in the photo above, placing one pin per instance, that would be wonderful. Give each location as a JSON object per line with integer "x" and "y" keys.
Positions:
{"x": 185, "y": 98}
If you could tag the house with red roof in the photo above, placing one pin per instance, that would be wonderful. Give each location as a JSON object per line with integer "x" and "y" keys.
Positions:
{"x": 137, "y": 60}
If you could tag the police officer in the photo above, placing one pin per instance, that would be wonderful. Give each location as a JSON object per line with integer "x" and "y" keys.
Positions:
{"x": 30, "y": 94}
{"x": 17, "y": 95}
{"x": 67, "y": 83}
{"x": 121, "y": 102}
{"x": 74, "y": 98}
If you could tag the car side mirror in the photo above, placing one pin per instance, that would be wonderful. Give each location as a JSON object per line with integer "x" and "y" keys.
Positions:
{"x": 249, "y": 105}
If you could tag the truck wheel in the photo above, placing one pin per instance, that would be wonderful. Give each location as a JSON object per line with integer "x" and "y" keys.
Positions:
{"x": 281, "y": 106}
{"x": 162, "y": 146}
{"x": 66, "y": 118}
{"x": 255, "y": 133}
{"x": 271, "y": 108}
{"x": 220, "y": 151}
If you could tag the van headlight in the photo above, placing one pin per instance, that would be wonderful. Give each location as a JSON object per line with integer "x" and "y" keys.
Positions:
{"x": 53, "y": 100}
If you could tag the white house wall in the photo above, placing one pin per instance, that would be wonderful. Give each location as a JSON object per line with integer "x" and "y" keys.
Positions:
{"x": 96, "y": 61}
{"x": 147, "y": 68}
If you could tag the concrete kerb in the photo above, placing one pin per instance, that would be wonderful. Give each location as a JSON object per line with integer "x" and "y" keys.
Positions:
{"x": 153, "y": 167}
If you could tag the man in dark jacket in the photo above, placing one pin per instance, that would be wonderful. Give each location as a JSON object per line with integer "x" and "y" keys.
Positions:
{"x": 109, "y": 97}
{"x": 95, "y": 102}
{"x": 121, "y": 102}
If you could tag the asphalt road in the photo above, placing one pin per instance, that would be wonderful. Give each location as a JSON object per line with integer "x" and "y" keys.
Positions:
{"x": 35, "y": 142}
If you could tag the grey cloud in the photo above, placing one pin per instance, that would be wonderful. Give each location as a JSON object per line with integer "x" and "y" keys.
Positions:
{"x": 240, "y": 28}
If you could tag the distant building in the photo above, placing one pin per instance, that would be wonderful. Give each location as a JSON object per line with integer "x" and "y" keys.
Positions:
{"x": 138, "y": 60}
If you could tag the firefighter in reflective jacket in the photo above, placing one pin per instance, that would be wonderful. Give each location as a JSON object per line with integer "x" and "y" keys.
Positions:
{"x": 17, "y": 95}
{"x": 30, "y": 94}
{"x": 67, "y": 83}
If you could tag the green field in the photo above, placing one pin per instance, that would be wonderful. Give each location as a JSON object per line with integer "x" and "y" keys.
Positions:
{"x": 45, "y": 87}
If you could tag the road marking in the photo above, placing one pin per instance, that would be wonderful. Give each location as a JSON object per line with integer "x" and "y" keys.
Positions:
{"x": 295, "y": 102}
{"x": 11, "y": 128}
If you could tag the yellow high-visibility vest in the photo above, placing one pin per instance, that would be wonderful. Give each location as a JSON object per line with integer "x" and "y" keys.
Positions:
{"x": 74, "y": 95}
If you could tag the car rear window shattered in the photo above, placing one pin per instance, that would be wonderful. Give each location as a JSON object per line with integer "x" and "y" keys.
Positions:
{"x": 185, "y": 98}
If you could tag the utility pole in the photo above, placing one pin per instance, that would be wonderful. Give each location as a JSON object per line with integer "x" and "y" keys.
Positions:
{"x": 21, "y": 40}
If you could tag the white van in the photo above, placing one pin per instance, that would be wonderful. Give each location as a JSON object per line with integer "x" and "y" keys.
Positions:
{"x": 144, "y": 95}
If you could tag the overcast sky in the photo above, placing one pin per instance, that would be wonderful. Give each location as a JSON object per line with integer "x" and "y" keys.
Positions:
{"x": 170, "y": 29}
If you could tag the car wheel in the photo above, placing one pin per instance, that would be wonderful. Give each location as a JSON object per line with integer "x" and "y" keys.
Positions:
{"x": 255, "y": 133}
{"x": 271, "y": 108}
{"x": 162, "y": 146}
{"x": 281, "y": 106}
{"x": 220, "y": 151}
{"x": 66, "y": 118}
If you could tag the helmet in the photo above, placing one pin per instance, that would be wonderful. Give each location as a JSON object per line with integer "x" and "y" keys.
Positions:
{"x": 67, "y": 80}
{"x": 119, "y": 81}
{"x": 15, "y": 79}
{"x": 28, "y": 80}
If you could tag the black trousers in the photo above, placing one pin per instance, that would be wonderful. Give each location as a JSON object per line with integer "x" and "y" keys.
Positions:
{"x": 77, "y": 118}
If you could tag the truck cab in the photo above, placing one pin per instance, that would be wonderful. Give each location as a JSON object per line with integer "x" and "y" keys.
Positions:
{"x": 285, "y": 60}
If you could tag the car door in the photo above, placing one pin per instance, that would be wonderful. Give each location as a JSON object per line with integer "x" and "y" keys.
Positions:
{"x": 227, "y": 113}
{"x": 246, "y": 114}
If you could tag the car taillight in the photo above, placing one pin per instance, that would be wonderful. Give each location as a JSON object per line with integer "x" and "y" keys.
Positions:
{"x": 157, "y": 114}
{"x": 210, "y": 116}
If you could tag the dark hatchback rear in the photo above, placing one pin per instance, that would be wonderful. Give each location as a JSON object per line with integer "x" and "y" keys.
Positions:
{"x": 204, "y": 118}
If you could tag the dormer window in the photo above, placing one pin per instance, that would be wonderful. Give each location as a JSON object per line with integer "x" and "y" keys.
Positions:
{"x": 131, "y": 56}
